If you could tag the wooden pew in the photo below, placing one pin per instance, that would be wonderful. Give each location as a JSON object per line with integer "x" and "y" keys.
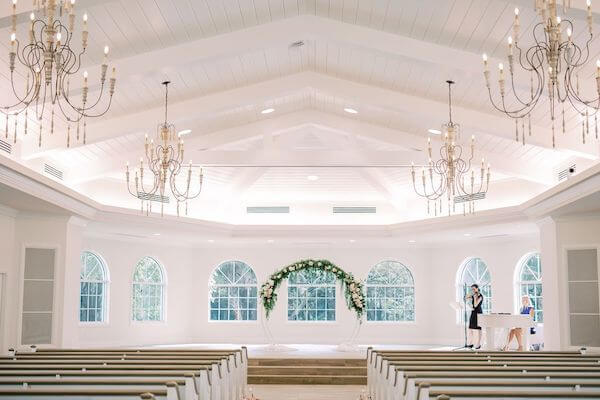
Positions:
{"x": 130, "y": 360}
{"x": 511, "y": 394}
{"x": 375, "y": 358}
{"x": 175, "y": 388}
{"x": 210, "y": 376}
{"x": 79, "y": 394}
{"x": 480, "y": 385}
{"x": 413, "y": 379}
{"x": 387, "y": 380}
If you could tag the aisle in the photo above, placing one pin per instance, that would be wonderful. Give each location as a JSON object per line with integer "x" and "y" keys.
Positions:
{"x": 307, "y": 392}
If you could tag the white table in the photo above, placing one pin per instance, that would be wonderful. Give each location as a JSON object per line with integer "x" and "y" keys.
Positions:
{"x": 490, "y": 322}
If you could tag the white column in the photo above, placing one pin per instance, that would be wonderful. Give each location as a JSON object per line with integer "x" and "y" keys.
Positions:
{"x": 72, "y": 270}
{"x": 549, "y": 254}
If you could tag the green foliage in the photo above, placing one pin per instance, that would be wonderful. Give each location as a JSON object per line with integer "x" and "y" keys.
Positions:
{"x": 321, "y": 269}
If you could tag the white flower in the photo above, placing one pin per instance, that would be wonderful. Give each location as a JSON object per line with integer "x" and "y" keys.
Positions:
{"x": 319, "y": 264}
{"x": 292, "y": 268}
{"x": 279, "y": 276}
{"x": 352, "y": 287}
{"x": 334, "y": 270}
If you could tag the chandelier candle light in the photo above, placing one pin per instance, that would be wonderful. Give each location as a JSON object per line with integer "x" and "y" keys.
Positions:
{"x": 48, "y": 61}
{"x": 446, "y": 177}
{"x": 553, "y": 63}
{"x": 165, "y": 162}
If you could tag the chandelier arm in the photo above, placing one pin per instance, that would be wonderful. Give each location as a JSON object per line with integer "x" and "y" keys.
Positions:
{"x": 572, "y": 94}
{"x": 65, "y": 112}
{"x": 521, "y": 112}
{"x": 91, "y": 107}
{"x": 581, "y": 59}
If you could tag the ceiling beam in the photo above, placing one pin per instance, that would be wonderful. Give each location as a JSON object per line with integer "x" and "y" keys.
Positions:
{"x": 288, "y": 122}
{"x": 204, "y": 107}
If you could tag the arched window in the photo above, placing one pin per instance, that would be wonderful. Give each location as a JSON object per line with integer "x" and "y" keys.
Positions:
{"x": 92, "y": 288}
{"x": 390, "y": 293}
{"x": 148, "y": 291}
{"x": 233, "y": 292}
{"x": 474, "y": 270}
{"x": 530, "y": 283}
{"x": 311, "y": 295}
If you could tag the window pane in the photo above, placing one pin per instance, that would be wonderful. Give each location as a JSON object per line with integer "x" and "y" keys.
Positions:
{"x": 390, "y": 293}
{"x": 234, "y": 292}
{"x": 148, "y": 291}
{"x": 531, "y": 284}
{"x": 312, "y": 295}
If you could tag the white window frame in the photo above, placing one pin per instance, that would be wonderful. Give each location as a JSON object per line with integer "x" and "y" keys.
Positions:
{"x": 105, "y": 291}
{"x": 460, "y": 286}
{"x": 518, "y": 282}
{"x": 414, "y": 295}
{"x": 233, "y": 285}
{"x": 163, "y": 284}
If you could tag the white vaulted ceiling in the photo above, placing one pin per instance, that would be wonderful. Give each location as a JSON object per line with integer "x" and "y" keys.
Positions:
{"x": 230, "y": 59}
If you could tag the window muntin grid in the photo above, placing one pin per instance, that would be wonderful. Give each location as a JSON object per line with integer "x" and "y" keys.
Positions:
{"x": 93, "y": 283}
{"x": 530, "y": 283}
{"x": 476, "y": 271}
{"x": 148, "y": 291}
{"x": 233, "y": 292}
{"x": 390, "y": 293}
{"x": 311, "y": 295}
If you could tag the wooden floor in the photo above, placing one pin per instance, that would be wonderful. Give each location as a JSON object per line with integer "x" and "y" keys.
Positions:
{"x": 307, "y": 392}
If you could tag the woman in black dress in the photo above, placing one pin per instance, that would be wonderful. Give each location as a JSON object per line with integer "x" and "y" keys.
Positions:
{"x": 476, "y": 299}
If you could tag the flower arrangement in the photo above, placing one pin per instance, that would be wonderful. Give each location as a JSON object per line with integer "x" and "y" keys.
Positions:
{"x": 353, "y": 288}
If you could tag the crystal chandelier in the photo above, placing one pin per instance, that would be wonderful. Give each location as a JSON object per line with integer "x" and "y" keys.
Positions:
{"x": 553, "y": 63}
{"x": 47, "y": 62}
{"x": 451, "y": 176}
{"x": 165, "y": 162}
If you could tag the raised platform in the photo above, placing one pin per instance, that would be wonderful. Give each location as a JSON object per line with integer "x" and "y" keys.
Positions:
{"x": 307, "y": 371}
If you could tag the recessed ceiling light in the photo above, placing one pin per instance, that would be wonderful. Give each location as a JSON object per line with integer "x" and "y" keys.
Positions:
{"x": 466, "y": 234}
{"x": 270, "y": 241}
{"x": 211, "y": 240}
{"x": 312, "y": 178}
{"x": 156, "y": 234}
{"x": 412, "y": 241}
{"x": 267, "y": 111}
{"x": 352, "y": 240}
{"x": 350, "y": 110}
{"x": 435, "y": 131}
{"x": 185, "y": 132}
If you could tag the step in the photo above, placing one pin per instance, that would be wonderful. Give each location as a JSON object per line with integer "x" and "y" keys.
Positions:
{"x": 306, "y": 380}
{"x": 332, "y": 362}
{"x": 307, "y": 370}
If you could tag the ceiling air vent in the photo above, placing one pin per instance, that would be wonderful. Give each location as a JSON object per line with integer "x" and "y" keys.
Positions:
{"x": 567, "y": 172}
{"x": 355, "y": 210}
{"x": 5, "y": 146}
{"x": 53, "y": 171}
{"x": 153, "y": 197}
{"x": 268, "y": 210}
{"x": 469, "y": 197}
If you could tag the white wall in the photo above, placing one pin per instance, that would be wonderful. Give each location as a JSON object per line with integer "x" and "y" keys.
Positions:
{"x": 571, "y": 233}
{"x": 501, "y": 257}
{"x": 267, "y": 258}
{"x": 188, "y": 271}
{"x": 181, "y": 295}
{"x": 8, "y": 310}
